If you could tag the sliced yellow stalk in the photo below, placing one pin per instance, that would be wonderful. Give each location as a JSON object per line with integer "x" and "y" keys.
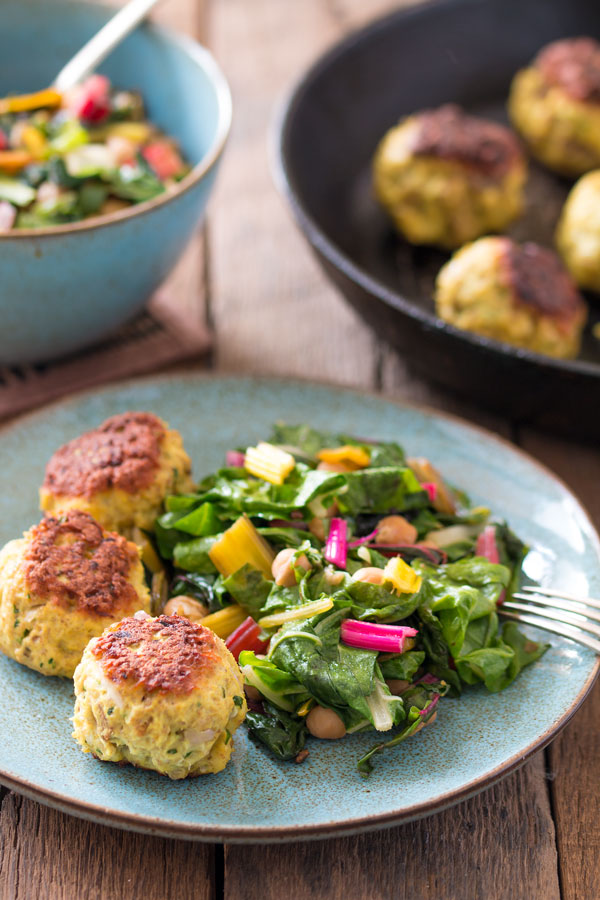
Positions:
{"x": 136, "y": 132}
{"x": 226, "y": 620}
{"x": 305, "y": 708}
{"x": 242, "y": 544}
{"x": 298, "y": 612}
{"x": 12, "y": 161}
{"x": 404, "y": 579}
{"x": 25, "y": 102}
{"x": 269, "y": 462}
{"x": 351, "y": 457}
{"x": 34, "y": 141}
{"x": 148, "y": 554}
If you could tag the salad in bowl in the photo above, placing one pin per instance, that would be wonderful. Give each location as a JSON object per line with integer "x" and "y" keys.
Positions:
{"x": 88, "y": 152}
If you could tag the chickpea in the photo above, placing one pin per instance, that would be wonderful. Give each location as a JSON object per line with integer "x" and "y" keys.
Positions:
{"x": 325, "y": 724}
{"x": 370, "y": 574}
{"x": 397, "y": 686}
{"x": 332, "y": 576}
{"x": 185, "y": 606}
{"x": 396, "y": 530}
{"x": 332, "y": 467}
{"x": 283, "y": 570}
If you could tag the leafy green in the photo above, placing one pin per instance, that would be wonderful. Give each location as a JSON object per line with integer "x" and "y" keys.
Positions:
{"x": 206, "y": 589}
{"x": 375, "y": 601}
{"x": 137, "y": 183}
{"x": 276, "y": 684}
{"x": 193, "y": 555}
{"x": 249, "y": 588}
{"x": 282, "y": 733}
{"x": 417, "y": 699}
{"x": 402, "y": 665}
{"x": 459, "y": 619}
{"x": 337, "y": 676}
{"x": 380, "y": 490}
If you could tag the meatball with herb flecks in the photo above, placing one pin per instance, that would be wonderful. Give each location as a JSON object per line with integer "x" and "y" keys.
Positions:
{"x": 516, "y": 293}
{"x": 120, "y": 472}
{"x": 160, "y": 693}
{"x": 445, "y": 177}
{"x": 555, "y": 105}
{"x": 61, "y": 585}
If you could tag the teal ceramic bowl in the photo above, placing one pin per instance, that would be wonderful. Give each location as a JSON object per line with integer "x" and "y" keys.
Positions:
{"x": 475, "y": 741}
{"x": 67, "y": 286}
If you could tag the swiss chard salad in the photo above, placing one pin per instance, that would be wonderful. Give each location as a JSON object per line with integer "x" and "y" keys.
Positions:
{"x": 354, "y": 585}
{"x": 87, "y": 152}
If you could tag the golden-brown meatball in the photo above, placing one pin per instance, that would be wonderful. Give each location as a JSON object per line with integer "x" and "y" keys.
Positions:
{"x": 445, "y": 177}
{"x": 163, "y": 694}
{"x": 520, "y": 294}
{"x": 62, "y": 584}
{"x": 120, "y": 472}
{"x": 578, "y": 232}
{"x": 555, "y": 105}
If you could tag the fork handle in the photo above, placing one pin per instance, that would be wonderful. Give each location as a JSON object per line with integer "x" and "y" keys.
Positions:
{"x": 104, "y": 41}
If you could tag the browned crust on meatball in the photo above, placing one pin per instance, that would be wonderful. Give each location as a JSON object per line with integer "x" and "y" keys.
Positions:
{"x": 574, "y": 66}
{"x": 122, "y": 453}
{"x": 539, "y": 280}
{"x": 74, "y": 564}
{"x": 130, "y": 652}
{"x": 449, "y": 133}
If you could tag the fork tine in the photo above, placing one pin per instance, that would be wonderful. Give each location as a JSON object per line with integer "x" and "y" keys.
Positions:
{"x": 562, "y": 629}
{"x": 573, "y": 606}
{"x": 532, "y": 589}
{"x": 577, "y": 619}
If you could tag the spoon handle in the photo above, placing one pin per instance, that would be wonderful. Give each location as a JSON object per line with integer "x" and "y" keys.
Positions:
{"x": 97, "y": 48}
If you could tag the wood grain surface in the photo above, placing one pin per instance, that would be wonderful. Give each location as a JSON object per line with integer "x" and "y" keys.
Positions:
{"x": 535, "y": 835}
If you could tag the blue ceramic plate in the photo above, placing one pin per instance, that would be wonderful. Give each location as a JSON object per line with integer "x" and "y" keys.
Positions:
{"x": 475, "y": 741}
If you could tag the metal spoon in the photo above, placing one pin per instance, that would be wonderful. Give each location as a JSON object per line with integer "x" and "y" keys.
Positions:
{"x": 97, "y": 48}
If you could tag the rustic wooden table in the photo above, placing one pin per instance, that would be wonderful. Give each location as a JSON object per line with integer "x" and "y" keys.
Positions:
{"x": 535, "y": 835}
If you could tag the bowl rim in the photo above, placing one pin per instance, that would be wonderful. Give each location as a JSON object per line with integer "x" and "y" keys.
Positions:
{"x": 279, "y": 144}
{"x": 205, "y": 61}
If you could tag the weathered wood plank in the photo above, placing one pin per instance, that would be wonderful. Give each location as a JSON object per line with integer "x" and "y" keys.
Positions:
{"x": 574, "y": 758}
{"x": 499, "y": 845}
{"x": 272, "y": 309}
{"x": 50, "y": 856}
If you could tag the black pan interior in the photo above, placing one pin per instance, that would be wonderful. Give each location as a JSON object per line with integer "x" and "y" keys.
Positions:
{"x": 465, "y": 51}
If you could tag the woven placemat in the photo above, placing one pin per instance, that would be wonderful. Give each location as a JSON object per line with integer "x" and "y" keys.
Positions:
{"x": 160, "y": 336}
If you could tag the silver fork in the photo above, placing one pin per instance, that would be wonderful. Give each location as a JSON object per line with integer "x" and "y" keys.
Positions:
{"x": 555, "y": 611}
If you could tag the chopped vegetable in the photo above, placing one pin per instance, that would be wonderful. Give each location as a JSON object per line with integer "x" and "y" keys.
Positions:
{"x": 235, "y": 458}
{"x": 92, "y": 141}
{"x": 246, "y": 637}
{"x": 486, "y": 544}
{"x": 240, "y": 545}
{"x": 372, "y": 636}
{"x": 225, "y": 621}
{"x": 269, "y": 462}
{"x": 307, "y": 611}
{"x": 16, "y": 192}
{"x": 351, "y": 457}
{"x": 431, "y": 489}
{"x": 336, "y": 548}
{"x": 25, "y": 102}
{"x": 8, "y": 214}
{"x": 13, "y": 161}
{"x": 404, "y": 579}
{"x": 163, "y": 158}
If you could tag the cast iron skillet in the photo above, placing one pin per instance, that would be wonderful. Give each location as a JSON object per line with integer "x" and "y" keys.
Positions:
{"x": 455, "y": 50}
